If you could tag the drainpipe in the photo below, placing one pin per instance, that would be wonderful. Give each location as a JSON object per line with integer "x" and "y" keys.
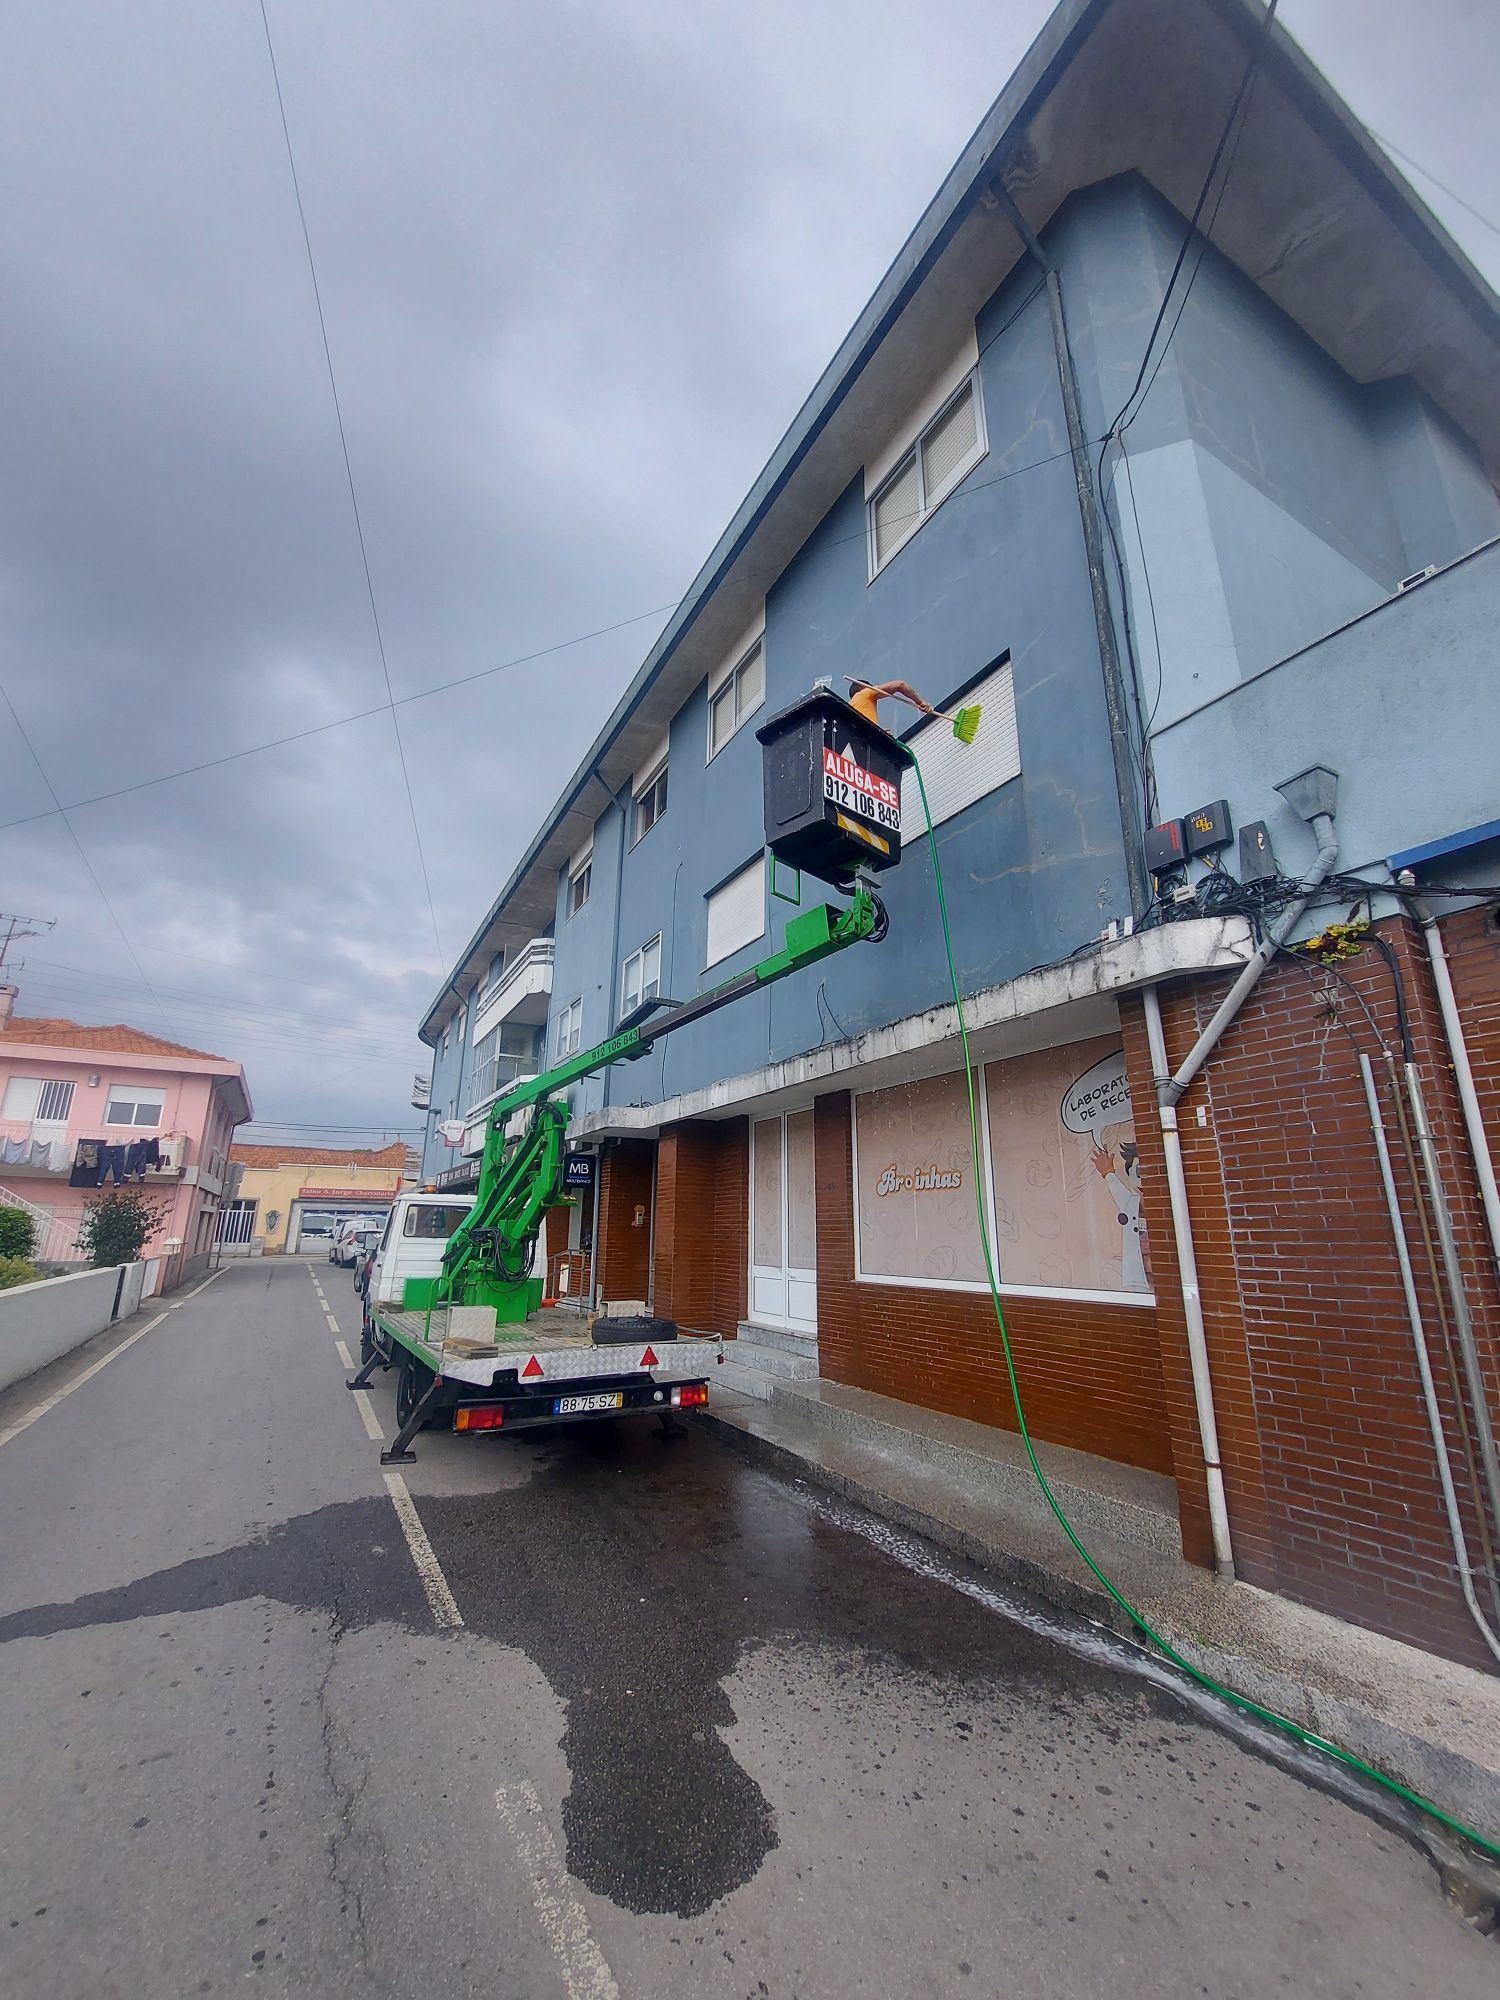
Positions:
{"x": 1312, "y": 793}
{"x": 622, "y": 805}
{"x": 1093, "y": 543}
{"x": 1458, "y": 1051}
{"x": 1424, "y": 1363}
{"x": 1192, "y": 1297}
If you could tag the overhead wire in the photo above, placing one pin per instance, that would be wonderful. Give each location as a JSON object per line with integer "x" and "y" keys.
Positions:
{"x": 359, "y": 528}
{"x": 1428, "y": 175}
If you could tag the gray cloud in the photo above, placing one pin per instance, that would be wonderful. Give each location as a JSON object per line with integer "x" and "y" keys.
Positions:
{"x": 580, "y": 264}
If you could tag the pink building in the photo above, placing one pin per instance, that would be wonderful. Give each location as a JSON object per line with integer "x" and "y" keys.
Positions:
{"x": 79, "y": 1105}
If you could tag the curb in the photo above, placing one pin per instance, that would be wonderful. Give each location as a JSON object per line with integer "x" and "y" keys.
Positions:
{"x": 1469, "y": 1879}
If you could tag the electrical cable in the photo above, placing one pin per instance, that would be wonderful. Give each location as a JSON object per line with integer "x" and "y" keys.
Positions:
{"x": 359, "y": 529}
{"x": 1427, "y": 174}
{"x": 969, "y": 487}
{"x": 1242, "y": 1702}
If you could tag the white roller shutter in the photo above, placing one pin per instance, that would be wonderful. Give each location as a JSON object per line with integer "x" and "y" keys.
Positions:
{"x": 737, "y": 912}
{"x": 958, "y": 774}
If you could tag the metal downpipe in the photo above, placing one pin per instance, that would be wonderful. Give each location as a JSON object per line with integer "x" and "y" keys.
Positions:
{"x": 1424, "y": 1363}
{"x": 1458, "y": 1049}
{"x": 1192, "y": 1297}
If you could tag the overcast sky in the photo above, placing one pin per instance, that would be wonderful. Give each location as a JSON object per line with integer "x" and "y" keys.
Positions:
{"x": 580, "y": 264}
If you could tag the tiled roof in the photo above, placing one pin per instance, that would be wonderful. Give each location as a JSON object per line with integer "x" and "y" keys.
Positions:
{"x": 59, "y": 1034}
{"x": 393, "y": 1155}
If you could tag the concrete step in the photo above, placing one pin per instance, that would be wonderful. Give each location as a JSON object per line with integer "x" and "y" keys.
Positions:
{"x": 772, "y": 1361}
{"x": 777, "y": 1336}
{"x": 746, "y": 1381}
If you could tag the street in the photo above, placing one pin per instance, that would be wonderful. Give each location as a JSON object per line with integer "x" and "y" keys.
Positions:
{"x": 698, "y": 1734}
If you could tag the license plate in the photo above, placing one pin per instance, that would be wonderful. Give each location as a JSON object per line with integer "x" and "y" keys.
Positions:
{"x": 570, "y": 1406}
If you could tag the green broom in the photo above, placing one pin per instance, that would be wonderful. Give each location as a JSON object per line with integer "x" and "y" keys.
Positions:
{"x": 965, "y": 722}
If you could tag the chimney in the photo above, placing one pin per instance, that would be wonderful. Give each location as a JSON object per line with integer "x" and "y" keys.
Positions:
{"x": 9, "y": 995}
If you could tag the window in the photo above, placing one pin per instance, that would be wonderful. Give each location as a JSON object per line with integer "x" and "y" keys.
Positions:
{"x": 650, "y": 804}
{"x": 640, "y": 976}
{"x": 947, "y": 450}
{"x": 54, "y": 1102}
{"x": 959, "y": 774}
{"x": 570, "y": 1029}
{"x": 579, "y": 884}
{"x": 737, "y": 912}
{"x": 497, "y": 966}
{"x": 735, "y": 697}
{"x": 433, "y": 1220}
{"x": 48, "y": 1100}
{"x": 461, "y": 1025}
{"x": 130, "y": 1105}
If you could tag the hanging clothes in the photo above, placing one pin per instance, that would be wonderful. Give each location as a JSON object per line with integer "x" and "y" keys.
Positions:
{"x": 112, "y": 1165}
{"x": 86, "y": 1164}
{"x": 135, "y": 1158}
{"x": 151, "y": 1148}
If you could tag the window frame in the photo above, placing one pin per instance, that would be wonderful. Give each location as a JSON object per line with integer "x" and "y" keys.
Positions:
{"x": 583, "y": 873}
{"x": 133, "y": 1123}
{"x": 568, "y": 1039}
{"x": 758, "y": 863}
{"x": 755, "y": 650}
{"x": 644, "y": 792}
{"x": 638, "y": 957}
{"x": 927, "y": 504}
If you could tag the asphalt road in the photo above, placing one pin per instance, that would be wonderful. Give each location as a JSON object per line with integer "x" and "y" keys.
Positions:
{"x": 700, "y": 1734}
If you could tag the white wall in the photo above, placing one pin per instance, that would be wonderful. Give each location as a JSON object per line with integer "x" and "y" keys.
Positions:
{"x": 40, "y": 1322}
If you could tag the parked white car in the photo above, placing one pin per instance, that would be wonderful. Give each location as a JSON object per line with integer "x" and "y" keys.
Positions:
{"x": 345, "y": 1249}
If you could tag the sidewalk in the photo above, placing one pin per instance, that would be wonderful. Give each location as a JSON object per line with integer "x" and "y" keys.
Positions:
{"x": 1431, "y": 1724}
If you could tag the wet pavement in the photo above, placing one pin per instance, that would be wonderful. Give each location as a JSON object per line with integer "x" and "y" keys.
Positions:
{"x": 702, "y": 1732}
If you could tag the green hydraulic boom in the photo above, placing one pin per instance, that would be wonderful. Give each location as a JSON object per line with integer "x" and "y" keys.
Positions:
{"x": 488, "y": 1259}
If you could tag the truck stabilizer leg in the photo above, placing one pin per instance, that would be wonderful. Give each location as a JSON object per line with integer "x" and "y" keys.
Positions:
{"x": 397, "y": 1453}
{"x": 376, "y": 1360}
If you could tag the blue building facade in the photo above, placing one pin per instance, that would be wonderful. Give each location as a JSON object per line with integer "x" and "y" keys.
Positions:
{"x": 1276, "y": 545}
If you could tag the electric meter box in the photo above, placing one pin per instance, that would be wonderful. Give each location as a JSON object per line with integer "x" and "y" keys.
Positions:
{"x": 832, "y": 788}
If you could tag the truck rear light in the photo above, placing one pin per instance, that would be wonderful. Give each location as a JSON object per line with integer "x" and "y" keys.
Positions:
{"x": 479, "y": 1417}
{"x": 690, "y": 1395}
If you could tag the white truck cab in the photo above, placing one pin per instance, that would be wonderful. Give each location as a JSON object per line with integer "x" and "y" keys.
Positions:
{"x": 416, "y": 1231}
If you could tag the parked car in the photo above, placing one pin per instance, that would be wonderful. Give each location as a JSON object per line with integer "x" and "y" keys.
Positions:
{"x": 345, "y": 1247}
{"x": 363, "y": 1245}
{"x": 365, "y": 1266}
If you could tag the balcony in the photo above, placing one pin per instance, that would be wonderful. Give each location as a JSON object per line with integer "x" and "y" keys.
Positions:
{"x": 521, "y": 993}
{"x": 41, "y": 1146}
{"x": 490, "y": 1079}
{"x": 421, "y": 1092}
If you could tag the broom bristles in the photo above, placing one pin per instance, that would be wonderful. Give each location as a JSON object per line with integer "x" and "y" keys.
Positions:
{"x": 966, "y": 723}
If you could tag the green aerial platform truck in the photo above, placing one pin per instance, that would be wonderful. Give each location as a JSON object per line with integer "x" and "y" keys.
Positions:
{"x": 473, "y": 1345}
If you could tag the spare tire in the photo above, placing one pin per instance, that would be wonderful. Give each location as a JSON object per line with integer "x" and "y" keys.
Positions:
{"x": 631, "y": 1329}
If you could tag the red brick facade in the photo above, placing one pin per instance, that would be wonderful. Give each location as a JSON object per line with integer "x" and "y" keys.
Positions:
{"x": 1090, "y": 1374}
{"x": 701, "y": 1256}
{"x": 1333, "y": 1494}
{"x": 622, "y": 1250}
{"x": 1328, "y": 1462}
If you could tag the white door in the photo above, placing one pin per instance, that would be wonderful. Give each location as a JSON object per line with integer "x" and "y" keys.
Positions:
{"x": 783, "y": 1224}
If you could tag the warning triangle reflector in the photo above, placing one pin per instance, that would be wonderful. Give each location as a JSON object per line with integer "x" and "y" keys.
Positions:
{"x": 649, "y": 1360}
{"x": 532, "y": 1368}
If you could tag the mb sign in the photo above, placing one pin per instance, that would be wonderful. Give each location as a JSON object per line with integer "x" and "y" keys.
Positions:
{"x": 578, "y": 1171}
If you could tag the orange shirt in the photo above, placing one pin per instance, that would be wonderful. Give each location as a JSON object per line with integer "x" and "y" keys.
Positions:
{"x": 867, "y": 701}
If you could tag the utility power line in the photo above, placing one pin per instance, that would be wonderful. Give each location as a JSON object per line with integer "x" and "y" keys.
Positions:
{"x": 359, "y": 528}
{"x": 1428, "y": 175}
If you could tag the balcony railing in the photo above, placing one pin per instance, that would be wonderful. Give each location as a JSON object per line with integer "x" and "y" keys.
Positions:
{"x": 493, "y": 1076}
{"x": 528, "y": 977}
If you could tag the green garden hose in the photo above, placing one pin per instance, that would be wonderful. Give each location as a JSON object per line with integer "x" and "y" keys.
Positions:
{"x": 1242, "y": 1702}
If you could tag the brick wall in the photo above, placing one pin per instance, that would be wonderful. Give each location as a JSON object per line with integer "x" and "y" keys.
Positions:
{"x": 1089, "y": 1373}
{"x": 1333, "y": 1494}
{"x": 622, "y": 1253}
{"x": 699, "y": 1271}
{"x": 555, "y": 1236}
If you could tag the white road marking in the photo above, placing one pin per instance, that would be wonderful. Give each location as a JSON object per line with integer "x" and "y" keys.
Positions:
{"x": 585, "y": 1974}
{"x": 51, "y": 1402}
{"x": 205, "y": 1285}
{"x": 445, "y": 1609}
{"x": 367, "y": 1411}
{"x": 344, "y": 1355}
{"x": 332, "y": 1322}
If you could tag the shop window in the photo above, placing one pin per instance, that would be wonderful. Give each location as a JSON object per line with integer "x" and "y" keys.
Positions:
{"x": 1067, "y": 1171}
{"x": 914, "y": 1185}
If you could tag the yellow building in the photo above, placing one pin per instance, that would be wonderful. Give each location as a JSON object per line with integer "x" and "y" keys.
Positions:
{"x": 292, "y": 1197}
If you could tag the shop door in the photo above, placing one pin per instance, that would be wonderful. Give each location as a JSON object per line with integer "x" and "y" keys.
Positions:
{"x": 783, "y": 1224}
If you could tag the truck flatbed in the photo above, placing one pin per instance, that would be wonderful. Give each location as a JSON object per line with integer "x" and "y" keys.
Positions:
{"x": 554, "y": 1345}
